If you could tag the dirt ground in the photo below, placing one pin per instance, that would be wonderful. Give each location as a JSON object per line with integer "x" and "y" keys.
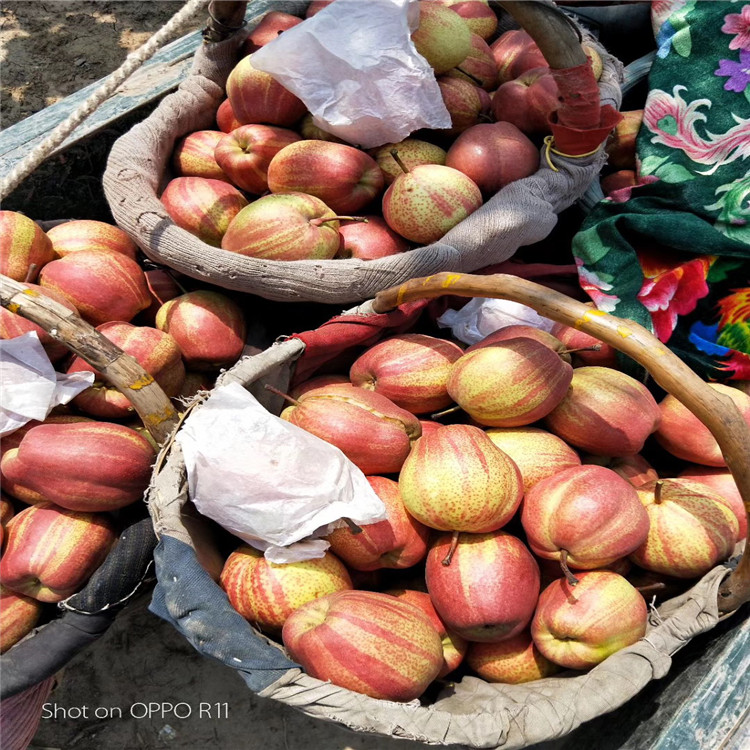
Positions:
{"x": 49, "y": 49}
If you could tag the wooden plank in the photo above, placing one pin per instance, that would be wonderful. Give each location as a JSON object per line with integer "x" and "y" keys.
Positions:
{"x": 157, "y": 77}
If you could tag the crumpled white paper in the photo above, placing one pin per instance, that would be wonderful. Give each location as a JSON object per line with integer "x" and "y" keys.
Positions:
{"x": 269, "y": 482}
{"x": 480, "y": 317}
{"x": 356, "y": 69}
{"x": 30, "y": 386}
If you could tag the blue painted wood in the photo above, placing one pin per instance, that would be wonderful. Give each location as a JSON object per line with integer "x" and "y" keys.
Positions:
{"x": 157, "y": 77}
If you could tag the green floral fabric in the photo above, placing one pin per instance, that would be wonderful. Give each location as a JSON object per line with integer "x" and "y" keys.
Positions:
{"x": 673, "y": 253}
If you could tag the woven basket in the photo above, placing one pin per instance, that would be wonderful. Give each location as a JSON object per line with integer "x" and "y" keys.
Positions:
{"x": 522, "y": 213}
{"x": 472, "y": 712}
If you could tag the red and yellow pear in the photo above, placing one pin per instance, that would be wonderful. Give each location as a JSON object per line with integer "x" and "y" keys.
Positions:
{"x": 101, "y": 286}
{"x": 483, "y": 586}
{"x": 634, "y": 468}
{"x": 245, "y": 153}
{"x": 512, "y": 661}
{"x": 537, "y": 453}
{"x": 370, "y": 239}
{"x": 586, "y": 516}
{"x": 193, "y": 155}
{"x": 258, "y": 98}
{"x": 208, "y": 327}
{"x": 292, "y": 226}
{"x": 24, "y": 247}
{"x": 456, "y": 479}
{"x": 411, "y": 369}
{"x": 477, "y": 15}
{"x": 682, "y": 434}
{"x": 691, "y": 530}
{"x": 88, "y": 234}
{"x": 579, "y": 626}
{"x": 366, "y": 641}
{"x": 425, "y": 202}
{"x": 269, "y": 27}
{"x": 343, "y": 177}
{"x": 493, "y": 155}
{"x": 411, "y": 152}
{"x": 80, "y": 466}
{"x": 722, "y": 481}
{"x": 203, "y": 207}
{"x": 479, "y": 67}
{"x": 371, "y": 431}
{"x": 511, "y": 383}
{"x": 454, "y": 647}
{"x": 266, "y": 593}
{"x": 515, "y": 52}
{"x": 442, "y": 37}
{"x": 605, "y": 412}
{"x": 51, "y": 551}
{"x": 19, "y": 615}
{"x": 400, "y": 541}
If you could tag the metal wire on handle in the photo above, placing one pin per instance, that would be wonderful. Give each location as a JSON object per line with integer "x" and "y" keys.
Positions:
{"x": 716, "y": 411}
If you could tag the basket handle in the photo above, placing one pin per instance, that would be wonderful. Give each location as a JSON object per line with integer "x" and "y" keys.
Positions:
{"x": 150, "y": 402}
{"x": 715, "y": 410}
{"x": 225, "y": 17}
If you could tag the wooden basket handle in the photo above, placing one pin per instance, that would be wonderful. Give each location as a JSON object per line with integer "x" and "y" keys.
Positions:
{"x": 554, "y": 33}
{"x": 225, "y": 17}
{"x": 718, "y": 412}
{"x": 150, "y": 402}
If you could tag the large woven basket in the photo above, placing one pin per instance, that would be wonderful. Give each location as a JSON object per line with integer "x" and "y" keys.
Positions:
{"x": 471, "y": 712}
{"x": 522, "y": 213}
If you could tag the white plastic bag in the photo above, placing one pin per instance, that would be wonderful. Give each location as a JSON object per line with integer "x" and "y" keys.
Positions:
{"x": 356, "y": 69}
{"x": 480, "y": 317}
{"x": 30, "y": 386}
{"x": 269, "y": 482}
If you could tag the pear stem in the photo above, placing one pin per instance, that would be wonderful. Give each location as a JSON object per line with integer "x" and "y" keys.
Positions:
{"x": 476, "y": 80}
{"x": 352, "y": 526}
{"x": 283, "y": 395}
{"x": 657, "y": 491}
{"x": 450, "y": 410}
{"x": 592, "y": 348}
{"x": 454, "y": 543}
{"x": 325, "y": 219}
{"x": 572, "y": 580}
{"x": 651, "y": 587}
{"x": 399, "y": 161}
{"x": 30, "y": 273}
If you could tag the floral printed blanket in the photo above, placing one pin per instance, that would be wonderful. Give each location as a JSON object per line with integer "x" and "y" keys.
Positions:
{"x": 674, "y": 252}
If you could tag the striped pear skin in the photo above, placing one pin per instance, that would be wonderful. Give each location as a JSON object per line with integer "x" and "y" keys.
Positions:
{"x": 102, "y": 286}
{"x": 490, "y": 587}
{"x": 82, "y": 466}
{"x": 368, "y": 642}
{"x": 267, "y": 593}
{"x": 18, "y": 616}
{"x": 51, "y": 551}
{"x": 88, "y": 234}
{"x": 23, "y": 243}
{"x": 456, "y": 479}
{"x": 690, "y": 530}
{"x": 284, "y": 227}
{"x": 203, "y": 207}
{"x": 511, "y": 383}
{"x": 193, "y": 155}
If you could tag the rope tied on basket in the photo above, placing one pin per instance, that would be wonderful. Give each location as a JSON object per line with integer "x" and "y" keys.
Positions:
{"x": 549, "y": 148}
